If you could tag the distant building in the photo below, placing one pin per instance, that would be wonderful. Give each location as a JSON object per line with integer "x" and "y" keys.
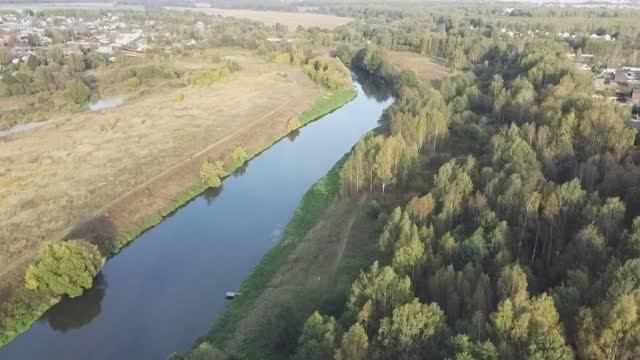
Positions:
{"x": 621, "y": 77}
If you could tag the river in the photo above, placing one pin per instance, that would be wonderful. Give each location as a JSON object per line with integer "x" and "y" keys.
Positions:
{"x": 159, "y": 294}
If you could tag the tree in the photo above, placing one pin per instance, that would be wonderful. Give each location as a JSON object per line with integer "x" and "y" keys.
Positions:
{"x": 626, "y": 279}
{"x": 133, "y": 83}
{"x": 633, "y": 239}
{"x": 420, "y": 208}
{"x": 205, "y": 351}
{"x": 410, "y": 331}
{"x": 379, "y": 290}
{"x": 354, "y": 345}
{"x": 512, "y": 284}
{"x": 5, "y": 57}
{"x": 610, "y": 217}
{"x": 64, "y": 268}
{"x": 610, "y": 331}
{"x": 588, "y": 248}
{"x": 409, "y": 254}
{"x": 452, "y": 185}
{"x": 531, "y": 328}
{"x": 76, "y": 92}
{"x": 56, "y": 54}
{"x": 388, "y": 159}
{"x": 498, "y": 95}
{"x": 461, "y": 347}
{"x": 211, "y": 173}
{"x": 316, "y": 341}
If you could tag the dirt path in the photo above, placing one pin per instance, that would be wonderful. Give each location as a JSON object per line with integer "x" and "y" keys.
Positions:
{"x": 344, "y": 240}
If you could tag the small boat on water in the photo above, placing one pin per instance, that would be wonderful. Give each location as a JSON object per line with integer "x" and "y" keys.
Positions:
{"x": 230, "y": 295}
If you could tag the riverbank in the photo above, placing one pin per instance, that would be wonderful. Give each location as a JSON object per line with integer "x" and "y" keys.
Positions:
{"x": 326, "y": 244}
{"x": 147, "y": 205}
{"x": 323, "y": 248}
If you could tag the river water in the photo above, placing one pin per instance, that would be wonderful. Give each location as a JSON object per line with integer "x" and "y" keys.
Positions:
{"x": 158, "y": 295}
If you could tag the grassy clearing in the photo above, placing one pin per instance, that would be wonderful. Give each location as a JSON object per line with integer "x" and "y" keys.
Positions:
{"x": 329, "y": 102}
{"x": 313, "y": 204}
{"x": 429, "y": 71}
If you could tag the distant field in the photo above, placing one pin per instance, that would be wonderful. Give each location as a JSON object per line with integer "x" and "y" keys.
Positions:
{"x": 292, "y": 20}
{"x": 129, "y": 162}
{"x": 429, "y": 70}
{"x": 79, "y": 5}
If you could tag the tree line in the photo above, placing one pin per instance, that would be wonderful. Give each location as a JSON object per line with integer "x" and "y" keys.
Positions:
{"x": 519, "y": 237}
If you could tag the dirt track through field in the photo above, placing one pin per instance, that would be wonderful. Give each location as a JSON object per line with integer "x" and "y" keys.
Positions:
{"x": 151, "y": 157}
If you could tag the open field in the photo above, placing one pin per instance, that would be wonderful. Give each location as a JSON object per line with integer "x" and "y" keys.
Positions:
{"x": 71, "y": 5}
{"x": 112, "y": 170}
{"x": 429, "y": 70}
{"x": 291, "y": 19}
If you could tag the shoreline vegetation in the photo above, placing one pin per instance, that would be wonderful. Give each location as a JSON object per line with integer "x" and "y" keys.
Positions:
{"x": 316, "y": 201}
{"x": 27, "y": 306}
{"x": 313, "y": 204}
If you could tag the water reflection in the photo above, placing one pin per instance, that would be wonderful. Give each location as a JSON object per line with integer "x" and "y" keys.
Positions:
{"x": 211, "y": 194}
{"x": 77, "y": 312}
{"x": 372, "y": 86}
{"x": 241, "y": 170}
{"x": 293, "y": 135}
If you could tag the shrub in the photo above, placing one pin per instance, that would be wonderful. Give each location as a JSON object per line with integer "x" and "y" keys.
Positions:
{"x": 133, "y": 83}
{"x": 76, "y": 92}
{"x": 293, "y": 124}
{"x": 207, "y": 77}
{"x": 211, "y": 173}
{"x": 179, "y": 97}
{"x": 64, "y": 268}
{"x": 233, "y": 66}
{"x": 328, "y": 72}
{"x": 211, "y": 55}
{"x": 240, "y": 154}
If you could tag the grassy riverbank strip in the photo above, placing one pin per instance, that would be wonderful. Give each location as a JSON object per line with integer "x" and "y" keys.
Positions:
{"x": 27, "y": 306}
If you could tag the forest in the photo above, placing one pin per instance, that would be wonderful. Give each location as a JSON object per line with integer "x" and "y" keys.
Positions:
{"x": 516, "y": 232}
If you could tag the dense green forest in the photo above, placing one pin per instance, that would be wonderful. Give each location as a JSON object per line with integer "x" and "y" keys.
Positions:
{"x": 516, "y": 234}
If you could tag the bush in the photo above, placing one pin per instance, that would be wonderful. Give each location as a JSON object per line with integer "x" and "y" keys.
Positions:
{"x": 328, "y": 72}
{"x": 211, "y": 173}
{"x": 207, "y": 77}
{"x": 233, "y": 66}
{"x": 133, "y": 83}
{"x": 179, "y": 97}
{"x": 293, "y": 124}
{"x": 76, "y": 92}
{"x": 64, "y": 268}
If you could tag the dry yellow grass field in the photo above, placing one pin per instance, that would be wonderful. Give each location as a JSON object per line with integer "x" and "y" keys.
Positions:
{"x": 125, "y": 163}
{"x": 291, "y": 19}
{"x": 428, "y": 70}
